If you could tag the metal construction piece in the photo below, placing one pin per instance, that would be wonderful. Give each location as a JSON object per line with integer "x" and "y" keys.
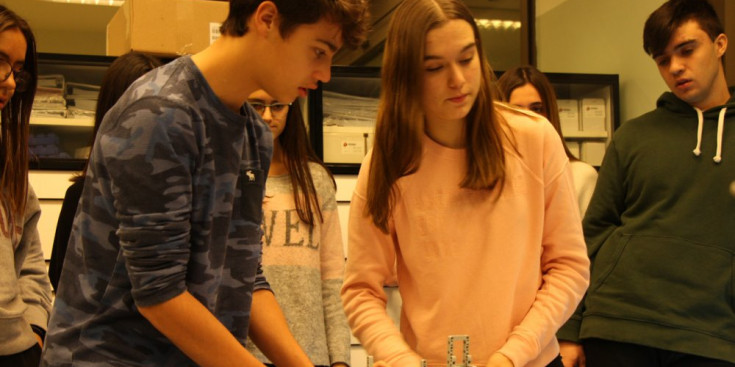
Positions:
{"x": 451, "y": 359}
{"x": 466, "y": 357}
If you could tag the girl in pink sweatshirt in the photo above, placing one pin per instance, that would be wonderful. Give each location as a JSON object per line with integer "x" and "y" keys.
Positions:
{"x": 469, "y": 204}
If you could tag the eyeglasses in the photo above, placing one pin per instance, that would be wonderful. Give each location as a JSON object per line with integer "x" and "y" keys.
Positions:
{"x": 21, "y": 77}
{"x": 276, "y": 108}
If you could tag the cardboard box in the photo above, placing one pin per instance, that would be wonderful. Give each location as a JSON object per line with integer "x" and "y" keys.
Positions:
{"x": 593, "y": 114}
{"x": 568, "y": 115}
{"x": 165, "y": 27}
{"x": 347, "y": 144}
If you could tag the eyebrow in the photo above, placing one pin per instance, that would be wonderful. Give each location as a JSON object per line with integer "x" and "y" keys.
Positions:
{"x": 685, "y": 43}
{"x": 465, "y": 48}
{"x": 7, "y": 58}
{"x": 677, "y": 47}
{"x": 262, "y": 101}
{"x": 329, "y": 44}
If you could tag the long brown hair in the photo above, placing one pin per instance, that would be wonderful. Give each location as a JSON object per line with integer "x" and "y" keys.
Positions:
{"x": 400, "y": 122}
{"x": 123, "y": 71}
{"x": 15, "y": 119}
{"x": 522, "y": 75}
{"x": 297, "y": 151}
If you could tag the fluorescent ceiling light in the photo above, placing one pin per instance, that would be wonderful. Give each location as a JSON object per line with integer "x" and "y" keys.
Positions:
{"x": 495, "y": 24}
{"x": 90, "y": 2}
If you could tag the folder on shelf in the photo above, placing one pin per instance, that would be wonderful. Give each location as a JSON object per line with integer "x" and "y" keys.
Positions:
{"x": 592, "y": 152}
{"x": 593, "y": 114}
{"x": 568, "y": 115}
{"x": 573, "y": 147}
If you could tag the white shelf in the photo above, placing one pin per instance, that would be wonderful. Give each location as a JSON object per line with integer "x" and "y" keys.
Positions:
{"x": 62, "y": 121}
{"x": 586, "y": 135}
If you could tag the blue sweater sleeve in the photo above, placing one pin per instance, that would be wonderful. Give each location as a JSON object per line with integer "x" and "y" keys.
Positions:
{"x": 151, "y": 180}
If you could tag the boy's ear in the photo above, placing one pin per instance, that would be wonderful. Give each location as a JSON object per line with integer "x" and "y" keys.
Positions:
{"x": 264, "y": 18}
{"x": 721, "y": 44}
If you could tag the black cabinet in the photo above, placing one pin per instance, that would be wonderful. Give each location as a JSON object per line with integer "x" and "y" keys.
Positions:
{"x": 589, "y": 109}
{"x": 342, "y": 116}
{"x": 62, "y": 121}
{"x": 342, "y": 113}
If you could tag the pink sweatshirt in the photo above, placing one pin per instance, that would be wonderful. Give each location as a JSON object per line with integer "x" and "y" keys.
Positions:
{"x": 508, "y": 273}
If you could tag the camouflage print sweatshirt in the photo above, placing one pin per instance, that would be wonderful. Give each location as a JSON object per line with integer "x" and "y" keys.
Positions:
{"x": 171, "y": 202}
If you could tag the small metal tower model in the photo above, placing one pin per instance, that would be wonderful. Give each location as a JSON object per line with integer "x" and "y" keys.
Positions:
{"x": 451, "y": 358}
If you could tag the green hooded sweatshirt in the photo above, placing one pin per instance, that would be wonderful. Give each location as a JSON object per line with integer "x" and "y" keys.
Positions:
{"x": 660, "y": 230}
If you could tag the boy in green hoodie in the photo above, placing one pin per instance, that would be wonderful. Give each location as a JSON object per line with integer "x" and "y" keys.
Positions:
{"x": 660, "y": 227}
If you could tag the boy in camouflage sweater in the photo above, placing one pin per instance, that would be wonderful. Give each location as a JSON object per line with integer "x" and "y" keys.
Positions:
{"x": 163, "y": 264}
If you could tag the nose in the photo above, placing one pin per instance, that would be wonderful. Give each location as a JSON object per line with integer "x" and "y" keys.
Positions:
{"x": 676, "y": 66}
{"x": 9, "y": 84}
{"x": 267, "y": 114}
{"x": 456, "y": 77}
{"x": 324, "y": 72}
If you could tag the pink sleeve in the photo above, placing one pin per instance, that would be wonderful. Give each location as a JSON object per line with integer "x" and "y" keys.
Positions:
{"x": 370, "y": 263}
{"x": 564, "y": 261}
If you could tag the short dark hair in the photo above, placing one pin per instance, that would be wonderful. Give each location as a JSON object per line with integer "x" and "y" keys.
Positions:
{"x": 350, "y": 15}
{"x": 662, "y": 23}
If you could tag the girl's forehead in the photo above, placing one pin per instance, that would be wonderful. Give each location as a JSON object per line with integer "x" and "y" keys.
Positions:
{"x": 261, "y": 95}
{"x": 449, "y": 38}
{"x": 13, "y": 45}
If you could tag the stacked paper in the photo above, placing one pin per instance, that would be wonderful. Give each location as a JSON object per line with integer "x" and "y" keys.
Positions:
{"x": 82, "y": 99}
{"x": 50, "y": 99}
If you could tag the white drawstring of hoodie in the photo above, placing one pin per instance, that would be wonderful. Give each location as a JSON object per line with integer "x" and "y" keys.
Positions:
{"x": 720, "y": 126}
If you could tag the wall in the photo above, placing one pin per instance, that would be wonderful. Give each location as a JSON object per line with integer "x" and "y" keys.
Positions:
{"x": 726, "y": 11}
{"x": 604, "y": 37}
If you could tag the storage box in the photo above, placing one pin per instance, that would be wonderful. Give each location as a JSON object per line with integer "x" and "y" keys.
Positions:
{"x": 593, "y": 114}
{"x": 347, "y": 144}
{"x": 568, "y": 115}
{"x": 592, "y": 152}
{"x": 165, "y": 27}
{"x": 574, "y": 147}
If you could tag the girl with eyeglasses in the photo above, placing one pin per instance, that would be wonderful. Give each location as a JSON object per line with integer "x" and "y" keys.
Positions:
{"x": 527, "y": 88}
{"x": 25, "y": 294}
{"x": 303, "y": 257}
{"x": 468, "y": 203}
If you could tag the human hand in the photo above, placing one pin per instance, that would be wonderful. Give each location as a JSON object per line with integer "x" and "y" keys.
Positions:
{"x": 381, "y": 364}
{"x": 572, "y": 354}
{"x": 499, "y": 360}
